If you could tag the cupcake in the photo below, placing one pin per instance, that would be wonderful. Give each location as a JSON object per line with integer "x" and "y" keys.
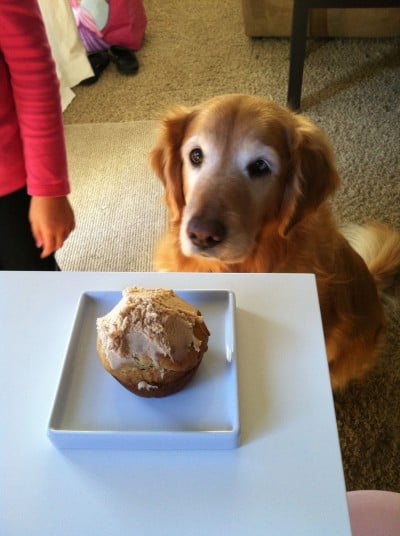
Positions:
{"x": 152, "y": 341}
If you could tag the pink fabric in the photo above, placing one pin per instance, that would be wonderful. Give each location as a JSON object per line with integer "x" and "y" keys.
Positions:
{"x": 126, "y": 23}
{"x": 374, "y": 513}
{"x": 91, "y": 36}
{"x": 32, "y": 148}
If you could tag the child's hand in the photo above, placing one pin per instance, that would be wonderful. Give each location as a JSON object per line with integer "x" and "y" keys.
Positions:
{"x": 52, "y": 220}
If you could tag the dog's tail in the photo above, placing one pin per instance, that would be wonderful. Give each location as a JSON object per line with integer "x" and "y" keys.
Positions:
{"x": 379, "y": 246}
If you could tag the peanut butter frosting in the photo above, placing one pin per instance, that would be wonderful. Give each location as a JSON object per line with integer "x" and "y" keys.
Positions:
{"x": 149, "y": 324}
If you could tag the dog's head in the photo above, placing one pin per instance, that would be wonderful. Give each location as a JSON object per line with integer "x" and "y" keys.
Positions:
{"x": 234, "y": 164}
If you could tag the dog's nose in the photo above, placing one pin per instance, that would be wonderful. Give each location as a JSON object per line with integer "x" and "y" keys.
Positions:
{"x": 205, "y": 234}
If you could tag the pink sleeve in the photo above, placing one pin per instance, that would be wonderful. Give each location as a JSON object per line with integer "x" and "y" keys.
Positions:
{"x": 35, "y": 88}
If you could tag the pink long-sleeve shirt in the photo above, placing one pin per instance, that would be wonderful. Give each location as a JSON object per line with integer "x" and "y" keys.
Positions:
{"x": 32, "y": 145}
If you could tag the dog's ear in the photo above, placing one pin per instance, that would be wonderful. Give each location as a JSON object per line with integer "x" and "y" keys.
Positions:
{"x": 165, "y": 158}
{"x": 312, "y": 177}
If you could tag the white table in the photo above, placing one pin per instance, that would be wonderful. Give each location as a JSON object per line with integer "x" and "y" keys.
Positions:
{"x": 286, "y": 478}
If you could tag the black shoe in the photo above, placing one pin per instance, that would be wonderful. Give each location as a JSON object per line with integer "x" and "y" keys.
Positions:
{"x": 124, "y": 58}
{"x": 98, "y": 62}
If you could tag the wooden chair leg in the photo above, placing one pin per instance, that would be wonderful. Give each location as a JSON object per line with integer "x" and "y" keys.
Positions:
{"x": 297, "y": 53}
{"x": 299, "y": 37}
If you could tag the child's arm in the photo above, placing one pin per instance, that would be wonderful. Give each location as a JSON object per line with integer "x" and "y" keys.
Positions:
{"x": 32, "y": 106}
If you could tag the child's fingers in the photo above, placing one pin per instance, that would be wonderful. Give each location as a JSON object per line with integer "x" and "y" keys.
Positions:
{"x": 52, "y": 242}
{"x": 37, "y": 236}
{"x": 48, "y": 247}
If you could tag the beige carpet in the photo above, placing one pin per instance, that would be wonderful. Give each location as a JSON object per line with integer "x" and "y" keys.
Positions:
{"x": 117, "y": 202}
{"x": 197, "y": 49}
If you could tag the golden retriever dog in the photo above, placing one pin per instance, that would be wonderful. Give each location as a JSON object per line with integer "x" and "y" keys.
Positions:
{"x": 247, "y": 185}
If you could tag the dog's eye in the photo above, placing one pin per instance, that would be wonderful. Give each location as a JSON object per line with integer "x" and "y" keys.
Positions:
{"x": 258, "y": 168}
{"x": 196, "y": 156}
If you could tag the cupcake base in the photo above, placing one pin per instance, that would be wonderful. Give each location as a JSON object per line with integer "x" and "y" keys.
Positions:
{"x": 151, "y": 382}
{"x": 158, "y": 390}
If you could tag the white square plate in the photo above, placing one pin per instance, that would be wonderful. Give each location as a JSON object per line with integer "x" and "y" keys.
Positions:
{"x": 92, "y": 410}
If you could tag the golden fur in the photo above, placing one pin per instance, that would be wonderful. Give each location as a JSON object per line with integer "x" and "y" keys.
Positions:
{"x": 246, "y": 187}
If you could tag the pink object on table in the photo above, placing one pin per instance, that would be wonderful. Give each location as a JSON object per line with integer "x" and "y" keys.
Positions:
{"x": 374, "y": 513}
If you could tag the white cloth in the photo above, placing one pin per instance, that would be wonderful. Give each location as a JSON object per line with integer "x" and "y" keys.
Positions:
{"x": 68, "y": 52}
